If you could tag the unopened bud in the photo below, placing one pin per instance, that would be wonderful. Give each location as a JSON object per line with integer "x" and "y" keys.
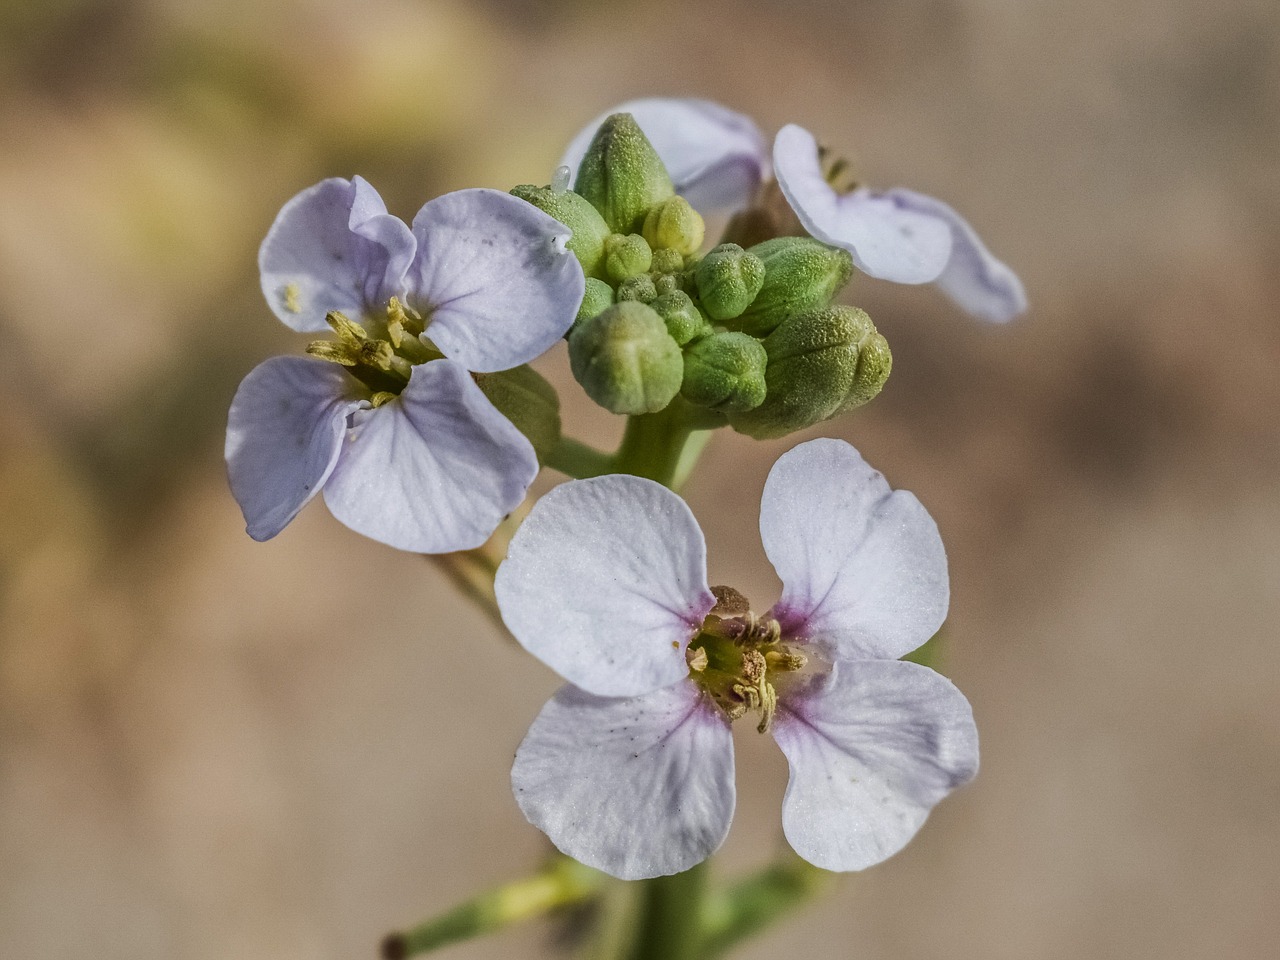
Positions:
{"x": 728, "y": 280}
{"x": 673, "y": 224}
{"x": 626, "y": 256}
{"x": 640, "y": 288}
{"x": 725, "y": 372}
{"x": 621, "y": 175}
{"x": 625, "y": 359}
{"x": 800, "y": 274}
{"x": 820, "y": 364}
{"x": 684, "y": 320}
{"x": 597, "y": 297}
{"x": 583, "y": 220}
{"x": 667, "y": 261}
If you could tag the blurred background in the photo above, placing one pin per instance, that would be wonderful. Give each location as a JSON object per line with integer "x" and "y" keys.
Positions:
{"x": 211, "y": 748}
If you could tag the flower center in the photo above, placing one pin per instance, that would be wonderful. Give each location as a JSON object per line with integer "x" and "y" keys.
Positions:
{"x": 379, "y": 352}
{"x": 737, "y": 658}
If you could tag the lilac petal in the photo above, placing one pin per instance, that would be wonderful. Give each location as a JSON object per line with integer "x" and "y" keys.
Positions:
{"x": 863, "y": 570}
{"x": 434, "y": 470}
{"x": 980, "y": 284}
{"x": 606, "y": 583}
{"x": 495, "y": 278}
{"x": 333, "y": 247}
{"x": 887, "y": 238}
{"x": 716, "y": 157}
{"x": 284, "y": 434}
{"x": 872, "y": 748}
{"x": 638, "y": 788}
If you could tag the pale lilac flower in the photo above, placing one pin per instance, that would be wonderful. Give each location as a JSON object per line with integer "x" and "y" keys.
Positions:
{"x": 630, "y": 769}
{"x": 407, "y": 448}
{"x": 897, "y": 235}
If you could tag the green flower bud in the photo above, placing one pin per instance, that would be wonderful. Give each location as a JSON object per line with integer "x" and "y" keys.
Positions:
{"x": 641, "y": 288}
{"x": 684, "y": 320}
{"x": 666, "y": 260}
{"x": 666, "y": 283}
{"x": 528, "y": 401}
{"x": 597, "y": 298}
{"x": 800, "y": 274}
{"x": 626, "y": 256}
{"x": 621, "y": 174}
{"x": 588, "y": 227}
{"x": 820, "y": 364}
{"x": 674, "y": 225}
{"x": 625, "y": 359}
{"x": 725, "y": 372}
{"x": 728, "y": 280}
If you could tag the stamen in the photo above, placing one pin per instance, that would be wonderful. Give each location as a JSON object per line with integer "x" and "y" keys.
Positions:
{"x": 333, "y": 352}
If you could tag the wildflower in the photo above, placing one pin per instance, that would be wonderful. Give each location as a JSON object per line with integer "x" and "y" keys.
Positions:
{"x": 629, "y": 768}
{"x": 386, "y": 417}
{"x": 895, "y": 234}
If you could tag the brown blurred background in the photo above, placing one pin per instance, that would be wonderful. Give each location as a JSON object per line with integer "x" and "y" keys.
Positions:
{"x": 211, "y": 748}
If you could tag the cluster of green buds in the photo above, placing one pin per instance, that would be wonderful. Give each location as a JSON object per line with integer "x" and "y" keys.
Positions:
{"x": 749, "y": 335}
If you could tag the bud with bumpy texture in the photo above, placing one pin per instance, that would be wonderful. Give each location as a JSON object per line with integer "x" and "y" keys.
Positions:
{"x": 728, "y": 280}
{"x": 622, "y": 175}
{"x": 684, "y": 320}
{"x": 640, "y": 288}
{"x": 800, "y": 274}
{"x": 725, "y": 372}
{"x": 583, "y": 220}
{"x": 625, "y": 359}
{"x": 626, "y": 256}
{"x": 674, "y": 225}
{"x": 596, "y": 298}
{"x": 821, "y": 364}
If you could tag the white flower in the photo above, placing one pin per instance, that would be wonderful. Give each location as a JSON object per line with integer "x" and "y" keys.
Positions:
{"x": 629, "y": 768}
{"x": 407, "y": 448}
{"x": 720, "y": 157}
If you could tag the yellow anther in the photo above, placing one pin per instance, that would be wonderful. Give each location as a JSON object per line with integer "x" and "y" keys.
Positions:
{"x": 346, "y": 329}
{"x": 381, "y": 397}
{"x": 697, "y": 659}
{"x": 341, "y": 353}
{"x": 785, "y": 660}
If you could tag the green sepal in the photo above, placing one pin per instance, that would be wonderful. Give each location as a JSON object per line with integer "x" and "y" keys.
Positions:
{"x": 583, "y": 220}
{"x": 821, "y": 363}
{"x": 641, "y": 288}
{"x": 596, "y": 298}
{"x": 625, "y": 359}
{"x": 728, "y": 279}
{"x": 800, "y": 274}
{"x": 524, "y": 397}
{"x": 684, "y": 320}
{"x": 626, "y": 256}
{"x": 674, "y": 225}
{"x": 621, "y": 174}
{"x": 726, "y": 372}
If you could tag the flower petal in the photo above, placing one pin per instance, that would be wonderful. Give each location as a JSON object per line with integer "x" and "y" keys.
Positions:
{"x": 887, "y": 238}
{"x": 495, "y": 274}
{"x": 863, "y": 570}
{"x": 606, "y": 583}
{"x": 980, "y": 284}
{"x": 638, "y": 788}
{"x": 716, "y": 157}
{"x": 284, "y": 434}
{"x": 434, "y": 470}
{"x": 333, "y": 247}
{"x": 872, "y": 748}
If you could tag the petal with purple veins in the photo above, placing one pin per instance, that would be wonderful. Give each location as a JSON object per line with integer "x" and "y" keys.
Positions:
{"x": 494, "y": 278}
{"x": 716, "y": 157}
{"x": 284, "y": 434}
{"x": 863, "y": 569}
{"x": 433, "y": 470}
{"x": 640, "y": 787}
{"x": 872, "y": 747}
{"x": 333, "y": 247}
{"x": 606, "y": 583}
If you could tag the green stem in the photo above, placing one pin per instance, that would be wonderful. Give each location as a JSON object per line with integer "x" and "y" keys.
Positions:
{"x": 563, "y": 883}
{"x": 653, "y": 444}
{"x": 575, "y": 459}
{"x": 750, "y": 905}
{"x": 669, "y": 926}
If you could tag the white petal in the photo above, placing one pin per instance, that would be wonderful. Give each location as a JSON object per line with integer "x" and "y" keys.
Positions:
{"x": 333, "y": 247}
{"x": 638, "y": 788}
{"x": 284, "y": 433}
{"x": 434, "y": 470}
{"x": 979, "y": 283}
{"x": 863, "y": 570}
{"x": 872, "y": 748}
{"x": 887, "y": 238}
{"x": 495, "y": 276}
{"x": 716, "y": 157}
{"x": 606, "y": 583}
